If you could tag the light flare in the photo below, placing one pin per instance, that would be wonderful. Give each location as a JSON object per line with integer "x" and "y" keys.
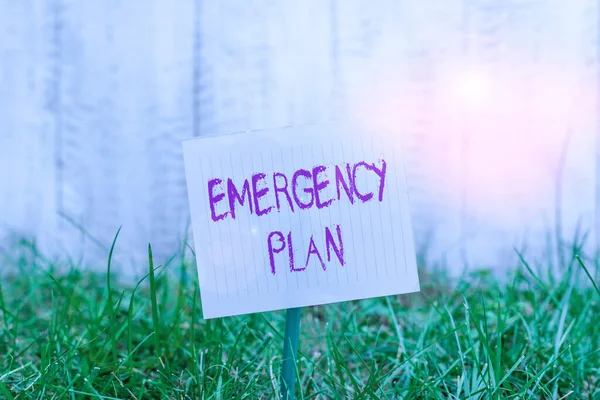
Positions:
{"x": 515, "y": 125}
{"x": 473, "y": 87}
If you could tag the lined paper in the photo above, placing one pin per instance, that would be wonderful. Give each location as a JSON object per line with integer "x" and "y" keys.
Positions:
{"x": 358, "y": 246}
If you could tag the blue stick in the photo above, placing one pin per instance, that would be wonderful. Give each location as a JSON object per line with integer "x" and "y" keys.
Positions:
{"x": 290, "y": 353}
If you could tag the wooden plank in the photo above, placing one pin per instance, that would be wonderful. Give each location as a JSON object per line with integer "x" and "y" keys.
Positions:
{"x": 527, "y": 176}
{"x": 127, "y": 104}
{"x": 27, "y": 102}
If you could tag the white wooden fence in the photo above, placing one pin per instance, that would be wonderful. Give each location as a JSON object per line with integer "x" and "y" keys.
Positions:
{"x": 95, "y": 98}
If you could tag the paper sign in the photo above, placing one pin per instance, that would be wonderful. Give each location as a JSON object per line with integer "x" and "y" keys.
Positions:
{"x": 299, "y": 216}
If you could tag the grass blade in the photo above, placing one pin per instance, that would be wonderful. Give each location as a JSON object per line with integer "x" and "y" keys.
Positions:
{"x": 154, "y": 304}
{"x": 580, "y": 261}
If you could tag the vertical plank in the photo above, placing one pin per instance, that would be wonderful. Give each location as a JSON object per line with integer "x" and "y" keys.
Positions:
{"x": 528, "y": 151}
{"x": 594, "y": 16}
{"x": 173, "y": 120}
{"x": 127, "y": 104}
{"x": 27, "y": 101}
{"x": 91, "y": 144}
{"x": 401, "y": 82}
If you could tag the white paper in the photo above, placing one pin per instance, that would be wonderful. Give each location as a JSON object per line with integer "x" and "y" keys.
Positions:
{"x": 363, "y": 237}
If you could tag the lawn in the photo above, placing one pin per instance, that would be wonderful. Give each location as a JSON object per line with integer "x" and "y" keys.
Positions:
{"x": 79, "y": 335}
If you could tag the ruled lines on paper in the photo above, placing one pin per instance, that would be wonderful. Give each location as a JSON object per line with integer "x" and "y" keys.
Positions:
{"x": 299, "y": 216}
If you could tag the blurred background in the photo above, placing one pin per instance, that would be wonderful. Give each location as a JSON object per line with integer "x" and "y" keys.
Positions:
{"x": 497, "y": 102}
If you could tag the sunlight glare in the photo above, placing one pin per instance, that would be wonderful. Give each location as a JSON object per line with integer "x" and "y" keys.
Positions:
{"x": 473, "y": 87}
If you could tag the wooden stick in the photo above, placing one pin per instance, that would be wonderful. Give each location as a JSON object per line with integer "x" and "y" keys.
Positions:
{"x": 290, "y": 353}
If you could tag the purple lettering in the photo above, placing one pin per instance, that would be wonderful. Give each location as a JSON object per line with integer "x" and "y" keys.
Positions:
{"x": 339, "y": 179}
{"x": 381, "y": 174}
{"x": 273, "y": 251}
{"x": 330, "y": 243}
{"x": 291, "y": 254}
{"x": 234, "y": 195}
{"x": 306, "y": 174}
{"x": 312, "y": 249}
{"x": 320, "y": 186}
{"x": 282, "y": 190}
{"x": 363, "y": 197}
{"x": 258, "y": 194}
{"x": 212, "y": 199}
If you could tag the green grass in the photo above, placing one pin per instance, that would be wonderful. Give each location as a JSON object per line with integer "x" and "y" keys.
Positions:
{"x": 79, "y": 335}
